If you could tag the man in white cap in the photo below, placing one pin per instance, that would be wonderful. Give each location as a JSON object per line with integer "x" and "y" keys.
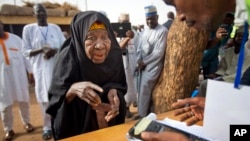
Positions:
{"x": 150, "y": 59}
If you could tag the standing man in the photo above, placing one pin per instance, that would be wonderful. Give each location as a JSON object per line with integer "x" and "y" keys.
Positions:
{"x": 150, "y": 59}
{"x": 14, "y": 84}
{"x": 41, "y": 41}
{"x": 129, "y": 44}
{"x": 168, "y": 23}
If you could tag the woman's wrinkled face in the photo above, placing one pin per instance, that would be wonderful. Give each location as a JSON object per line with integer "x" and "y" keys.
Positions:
{"x": 97, "y": 45}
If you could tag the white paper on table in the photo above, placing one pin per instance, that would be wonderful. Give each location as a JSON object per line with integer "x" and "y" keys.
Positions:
{"x": 194, "y": 129}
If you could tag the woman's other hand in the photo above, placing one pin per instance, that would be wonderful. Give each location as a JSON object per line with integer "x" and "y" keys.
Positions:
{"x": 115, "y": 103}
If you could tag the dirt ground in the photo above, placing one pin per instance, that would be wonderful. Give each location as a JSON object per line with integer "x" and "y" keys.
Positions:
{"x": 36, "y": 121}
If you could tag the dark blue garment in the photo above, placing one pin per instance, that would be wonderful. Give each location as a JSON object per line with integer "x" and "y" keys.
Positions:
{"x": 210, "y": 60}
{"x": 245, "y": 80}
{"x": 168, "y": 23}
{"x": 229, "y": 29}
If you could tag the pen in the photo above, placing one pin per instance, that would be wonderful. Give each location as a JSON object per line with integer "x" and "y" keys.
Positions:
{"x": 195, "y": 93}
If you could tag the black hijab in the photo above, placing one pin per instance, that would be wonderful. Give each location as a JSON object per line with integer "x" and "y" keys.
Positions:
{"x": 72, "y": 65}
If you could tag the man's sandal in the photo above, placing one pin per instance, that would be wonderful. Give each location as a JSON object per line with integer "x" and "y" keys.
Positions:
{"x": 29, "y": 128}
{"x": 47, "y": 134}
{"x": 9, "y": 136}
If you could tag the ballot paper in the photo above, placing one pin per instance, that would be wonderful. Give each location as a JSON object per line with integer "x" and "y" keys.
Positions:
{"x": 195, "y": 131}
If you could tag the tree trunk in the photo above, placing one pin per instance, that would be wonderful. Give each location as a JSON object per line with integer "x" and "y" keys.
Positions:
{"x": 180, "y": 74}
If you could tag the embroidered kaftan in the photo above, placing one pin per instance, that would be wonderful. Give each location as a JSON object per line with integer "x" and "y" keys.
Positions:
{"x": 35, "y": 37}
{"x": 14, "y": 66}
{"x": 151, "y": 50}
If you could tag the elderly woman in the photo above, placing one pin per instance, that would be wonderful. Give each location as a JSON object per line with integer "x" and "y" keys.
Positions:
{"x": 89, "y": 78}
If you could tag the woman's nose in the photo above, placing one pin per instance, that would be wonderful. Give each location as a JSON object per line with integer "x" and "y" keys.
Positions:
{"x": 99, "y": 45}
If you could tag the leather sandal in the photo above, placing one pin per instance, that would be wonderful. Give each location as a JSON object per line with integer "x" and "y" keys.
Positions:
{"x": 29, "y": 128}
{"x": 47, "y": 134}
{"x": 9, "y": 136}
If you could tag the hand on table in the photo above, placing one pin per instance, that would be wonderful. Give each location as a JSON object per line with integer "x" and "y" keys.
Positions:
{"x": 192, "y": 113}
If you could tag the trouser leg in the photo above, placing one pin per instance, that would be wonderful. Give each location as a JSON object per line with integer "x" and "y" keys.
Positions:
{"x": 46, "y": 117}
{"x": 7, "y": 118}
{"x": 24, "y": 112}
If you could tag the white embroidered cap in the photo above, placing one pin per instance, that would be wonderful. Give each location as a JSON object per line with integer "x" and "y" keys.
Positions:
{"x": 150, "y": 10}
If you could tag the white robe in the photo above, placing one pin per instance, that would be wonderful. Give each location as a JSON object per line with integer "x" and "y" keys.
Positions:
{"x": 151, "y": 50}
{"x": 130, "y": 62}
{"x": 35, "y": 37}
{"x": 14, "y": 84}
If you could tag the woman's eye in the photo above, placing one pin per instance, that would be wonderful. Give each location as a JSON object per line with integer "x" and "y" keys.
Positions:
{"x": 105, "y": 37}
{"x": 91, "y": 38}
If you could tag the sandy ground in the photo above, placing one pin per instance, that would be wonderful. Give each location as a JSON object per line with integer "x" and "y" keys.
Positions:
{"x": 36, "y": 121}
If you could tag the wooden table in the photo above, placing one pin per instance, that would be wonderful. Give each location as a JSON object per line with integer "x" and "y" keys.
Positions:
{"x": 115, "y": 133}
